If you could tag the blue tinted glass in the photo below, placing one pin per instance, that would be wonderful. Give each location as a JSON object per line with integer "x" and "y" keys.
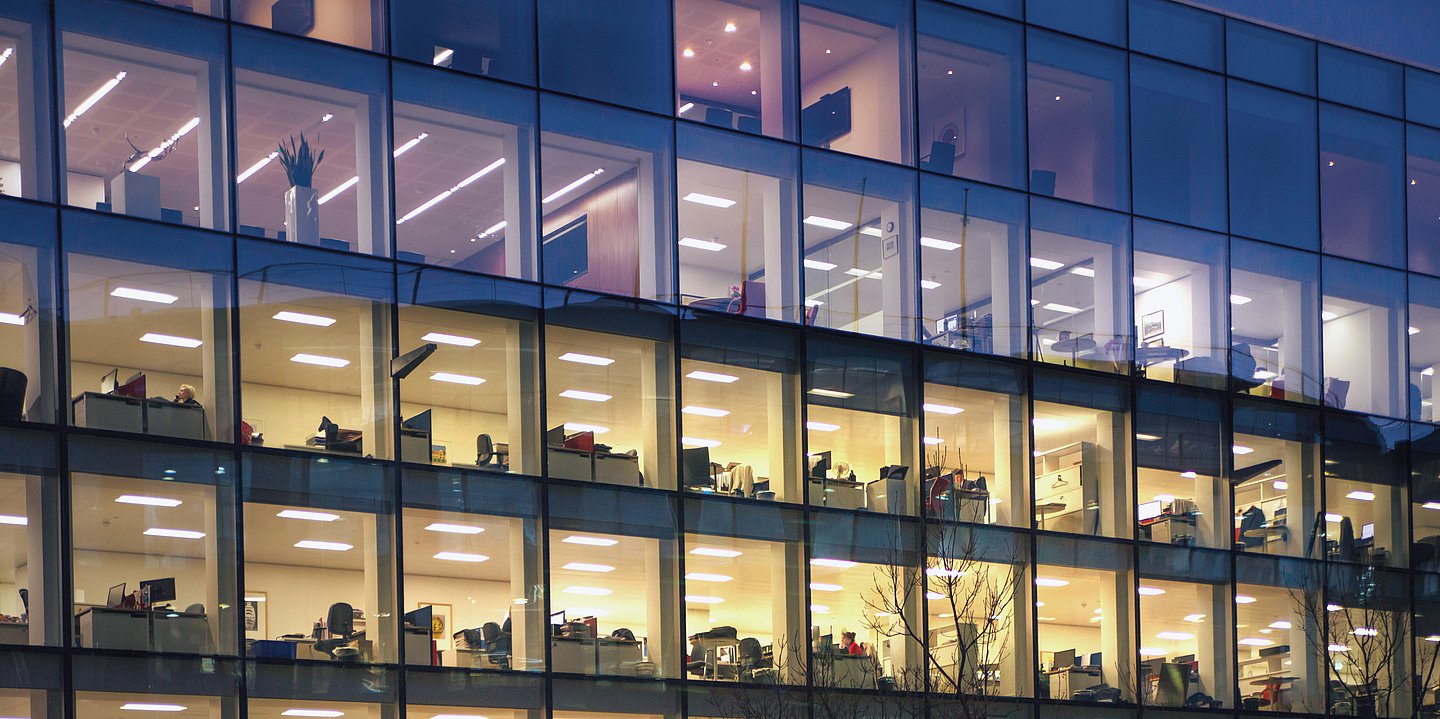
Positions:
{"x": 1422, "y": 195}
{"x": 1274, "y": 58}
{"x": 1360, "y": 80}
{"x": 617, "y": 52}
{"x": 1102, "y": 20}
{"x": 494, "y": 38}
{"x": 1361, "y": 173}
{"x": 1177, "y": 140}
{"x": 1177, "y": 32}
{"x": 1422, "y": 96}
{"x": 1273, "y": 178}
{"x": 1008, "y": 8}
{"x": 1077, "y": 107}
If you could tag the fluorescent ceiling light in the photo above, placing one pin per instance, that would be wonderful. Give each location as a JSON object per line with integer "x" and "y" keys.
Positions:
{"x": 834, "y": 393}
{"x": 130, "y": 293}
{"x": 494, "y": 228}
{"x": 953, "y": 573}
{"x": 932, "y": 440}
{"x": 689, "y": 105}
{"x": 1332, "y": 517}
{"x": 8, "y": 318}
{"x": 336, "y": 192}
{"x": 1327, "y": 315}
{"x": 174, "y": 533}
{"x": 821, "y": 426}
{"x": 701, "y": 599}
{"x": 857, "y": 272}
{"x": 6, "y": 55}
{"x": 698, "y": 442}
{"x": 1412, "y": 330}
{"x": 823, "y": 587}
{"x": 303, "y": 319}
{"x": 588, "y": 567}
{"x": 461, "y": 557}
{"x": 326, "y": 546}
{"x": 442, "y": 56}
{"x": 589, "y": 591}
{"x": 1194, "y": 618}
{"x": 929, "y": 284}
{"x": 578, "y": 358}
{"x": 872, "y": 231}
{"x": 696, "y": 244}
{"x": 933, "y": 595}
{"x": 827, "y": 223}
{"x": 1280, "y": 484}
{"x": 939, "y": 244}
{"x": 146, "y": 707}
{"x": 704, "y": 411}
{"x": 819, "y": 609}
{"x": 1244, "y": 599}
{"x": 166, "y": 145}
{"x": 715, "y": 552}
{"x": 94, "y": 98}
{"x": 582, "y": 427}
{"x": 1241, "y": 449}
{"x": 712, "y": 376}
{"x": 833, "y": 563}
{"x": 256, "y": 168}
{"x": 1239, "y": 299}
{"x": 705, "y": 577}
{"x": 1282, "y": 624}
{"x": 1144, "y": 283}
{"x": 1332, "y": 607}
{"x": 586, "y": 396}
{"x": 1147, "y": 437}
{"x": 1175, "y": 636}
{"x": 445, "y": 339}
{"x": 1083, "y": 271}
{"x": 453, "y": 378}
{"x": 455, "y": 188}
{"x": 1430, "y": 505}
{"x": 312, "y": 713}
{"x": 941, "y": 408}
{"x": 1056, "y": 306}
{"x": 1049, "y": 582}
{"x": 147, "y": 501}
{"x": 1361, "y": 495}
{"x": 411, "y": 144}
{"x": 571, "y": 187}
{"x": 307, "y": 515}
{"x": 320, "y": 360}
{"x": 453, "y": 528}
{"x": 1338, "y": 648}
{"x": 818, "y": 265}
{"x": 1255, "y": 642}
{"x": 711, "y": 200}
{"x": 14, "y": 519}
{"x": 590, "y": 541}
{"x": 1149, "y": 591}
{"x": 1044, "y": 264}
{"x": 171, "y": 340}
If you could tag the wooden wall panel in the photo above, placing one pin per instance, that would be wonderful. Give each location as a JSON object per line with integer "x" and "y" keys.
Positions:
{"x": 613, "y": 230}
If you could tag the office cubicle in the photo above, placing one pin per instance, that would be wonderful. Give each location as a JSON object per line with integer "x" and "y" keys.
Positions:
{"x": 1081, "y": 457}
{"x": 1084, "y": 619}
{"x": 27, "y": 316}
{"x": 1181, "y": 497}
{"x": 973, "y": 432}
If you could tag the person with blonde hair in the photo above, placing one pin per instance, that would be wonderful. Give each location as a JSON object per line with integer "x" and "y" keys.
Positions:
{"x": 186, "y": 395}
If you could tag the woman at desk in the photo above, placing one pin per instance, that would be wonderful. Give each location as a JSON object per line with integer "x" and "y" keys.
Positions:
{"x": 186, "y": 395}
{"x": 848, "y": 645}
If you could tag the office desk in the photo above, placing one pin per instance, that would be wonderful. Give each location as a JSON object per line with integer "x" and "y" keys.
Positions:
{"x": 305, "y": 649}
{"x": 587, "y": 466}
{"x": 1065, "y": 681}
{"x": 886, "y": 495}
{"x": 143, "y": 630}
{"x": 853, "y": 671}
{"x": 1172, "y": 529}
{"x": 415, "y": 446}
{"x": 419, "y": 647}
{"x": 14, "y": 633}
{"x": 141, "y": 416}
{"x": 841, "y": 493}
{"x": 590, "y": 655}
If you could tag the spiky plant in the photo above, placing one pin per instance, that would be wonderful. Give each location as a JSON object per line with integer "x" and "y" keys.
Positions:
{"x": 299, "y": 162}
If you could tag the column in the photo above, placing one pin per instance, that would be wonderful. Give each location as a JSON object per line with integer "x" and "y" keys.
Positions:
{"x": 780, "y": 254}
{"x": 1009, "y": 313}
{"x": 657, "y": 430}
{"x": 899, "y": 287}
{"x": 782, "y": 422}
{"x": 790, "y": 635}
{"x": 37, "y": 172}
{"x": 215, "y": 371}
{"x": 525, "y": 619}
{"x": 1009, "y": 500}
{"x": 522, "y": 406}
{"x": 777, "y": 71}
{"x": 43, "y": 560}
{"x": 1213, "y": 641}
{"x": 372, "y": 228}
{"x": 375, "y": 411}
{"x": 653, "y": 197}
{"x": 1302, "y": 499}
{"x": 1116, "y": 651}
{"x": 1019, "y": 666}
{"x": 210, "y": 144}
{"x": 381, "y": 626}
{"x": 662, "y": 618}
{"x": 520, "y": 246}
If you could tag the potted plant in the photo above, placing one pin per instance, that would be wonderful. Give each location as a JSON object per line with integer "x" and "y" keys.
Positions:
{"x": 302, "y": 205}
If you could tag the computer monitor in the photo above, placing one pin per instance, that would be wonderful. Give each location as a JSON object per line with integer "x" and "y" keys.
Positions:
{"x": 159, "y": 590}
{"x": 419, "y": 423}
{"x": 117, "y": 595}
{"x": 110, "y": 381}
{"x": 695, "y": 466}
{"x": 1064, "y": 658}
{"x": 1367, "y": 530}
{"x": 1094, "y": 660}
{"x": 1185, "y": 659}
{"x": 555, "y": 436}
{"x": 133, "y": 388}
{"x": 557, "y": 618}
{"x": 422, "y": 617}
{"x": 1149, "y": 510}
{"x": 820, "y": 464}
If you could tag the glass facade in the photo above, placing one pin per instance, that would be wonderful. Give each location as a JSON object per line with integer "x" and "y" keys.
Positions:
{"x": 382, "y": 358}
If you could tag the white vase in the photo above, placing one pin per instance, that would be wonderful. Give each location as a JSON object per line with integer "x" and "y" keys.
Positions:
{"x": 302, "y": 215}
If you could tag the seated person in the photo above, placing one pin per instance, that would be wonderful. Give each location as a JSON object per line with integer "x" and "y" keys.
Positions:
{"x": 186, "y": 395}
{"x": 848, "y": 645}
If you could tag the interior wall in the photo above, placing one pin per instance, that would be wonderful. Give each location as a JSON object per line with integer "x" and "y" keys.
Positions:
{"x": 872, "y": 79}
{"x": 96, "y": 572}
{"x": 613, "y": 234}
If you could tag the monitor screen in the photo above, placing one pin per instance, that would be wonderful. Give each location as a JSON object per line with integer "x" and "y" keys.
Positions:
{"x": 419, "y": 423}
{"x": 695, "y": 466}
{"x": 117, "y": 595}
{"x": 1064, "y": 659}
{"x": 820, "y": 464}
{"x": 1367, "y": 530}
{"x": 1149, "y": 510}
{"x": 110, "y": 381}
{"x": 557, "y": 618}
{"x": 161, "y": 590}
{"x": 421, "y": 617}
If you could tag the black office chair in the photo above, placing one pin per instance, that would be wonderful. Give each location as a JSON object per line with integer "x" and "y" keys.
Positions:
{"x": 12, "y": 394}
{"x": 623, "y": 633}
{"x": 341, "y": 623}
{"x": 484, "y": 449}
{"x": 497, "y": 644}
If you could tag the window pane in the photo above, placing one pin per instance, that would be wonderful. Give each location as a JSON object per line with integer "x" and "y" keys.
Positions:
{"x": 1270, "y": 56}
{"x": 1180, "y": 305}
{"x": 1422, "y": 96}
{"x": 150, "y": 143}
{"x": 30, "y": 514}
{"x": 357, "y": 23}
{"x": 1185, "y": 627}
{"x": 859, "y": 249}
{"x": 974, "y": 435}
{"x": 464, "y": 154}
{"x": 1081, "y": 461}
{"x": 605, "y": 196}
{"x": 1280, "y": 671}
{"x": 1180, "y": 497}
{"x": 1079, "y": 258}
{"x": 735, "y": 64}
{"x": 27, "y": 310}
{"x": 1178, "y": 32}
{"x": 1365, "y": 490}
{"x": 1103, "y": 20}
{"x": 977, "y": 594}
{"x": 1362, "y": 324}
{"x": 1360, "y": 80}
{"x": 1273, "y": 174}
{"x": 26, "y": 147}
{"x": 971, "y": 83}
{"x": 1422, "y": 197}
{"x": 1276, "y": 463}
{"x": 1425, "y": 511}
{"x": 971, "y": 288}
{"x": 1274, "y": 306}
{"x": 636, "y": 47}
{"x": 1086, "y": 620}
{"x": 494, "y": 38}
{"x": 736, "y": 212}
{"x": 855, "y": 57}
{"x": 1423, "y": 331}
{"x": 1077, "y": 110}
{"x": 1362, "y": 171}
{"x": 1177, "y": 130}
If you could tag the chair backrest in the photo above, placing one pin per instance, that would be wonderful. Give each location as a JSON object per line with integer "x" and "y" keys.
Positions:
{"x": 341, "y": 619}
{"x": 12, "y": 394}
{"x": 490, "y": 631}
{"x": 750, "y": 653}
{"x": 484, "y": 449}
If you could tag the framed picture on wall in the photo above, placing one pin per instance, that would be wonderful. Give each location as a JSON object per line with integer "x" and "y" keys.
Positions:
{"x": 439, "y": 623}
{"x": 256, "y": 621}
{"x": 1152, "y": 325}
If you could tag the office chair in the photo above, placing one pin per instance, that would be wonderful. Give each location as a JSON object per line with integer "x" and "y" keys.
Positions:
{"x": 341, "y": 623}
{"x": 497, "y": 644}
{"x": 484, "y": 449}
{"x": 12, "y": 394}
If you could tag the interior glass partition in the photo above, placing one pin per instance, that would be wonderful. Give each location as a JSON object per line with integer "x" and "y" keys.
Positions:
{"x": 1275, "y": 473}
{"x": 1081, "y": 456}
{"x": 1362, "y": 326}
{"x": 735, "y": 64}
{"x": 27, "y": 314}
{"x": 1085, "y": 616}
{"x": 1180, "y": 308}
{"x": 1185, "y": 625}
{"x": 1274, "y": 322}
{"x": 856, "y": 55}
{"x": 1181, "y": 493}
{"x": 1079, "y": 297}
{"x": 26, "y": 139}
{"x": 973, "y": 431}
{"x": 1077, "y": 109}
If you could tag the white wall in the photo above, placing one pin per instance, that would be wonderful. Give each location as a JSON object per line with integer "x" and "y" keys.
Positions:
{"x": 874, "y": 100}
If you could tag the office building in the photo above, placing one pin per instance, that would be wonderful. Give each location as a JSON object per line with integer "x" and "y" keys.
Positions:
{"x": 713, "y": 358}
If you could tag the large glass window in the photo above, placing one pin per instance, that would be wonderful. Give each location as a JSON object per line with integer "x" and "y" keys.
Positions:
{"x": 1423, "y": 333}
{"x": 635, "y": 46}
{"x": 1177, "y": 127}
{"x": 144, "y": 129}
{"x": 494, "y": 38}
{"x": 1178, "y": 32}
{"x": 1363, "y": 327}
{"x": 1181, "y": 497}
{"x": 27, "y": 313}
{"x": 735, "y": 64}
{"x": 1275, "y": 468}
{"x": 1365, "y": 502}
{"x": 464, "y": 154}
{"x": 1274, "y": 322}
{"x": 1425, "y": 515}
{"x": 613, "y": 570}
{"x": 1079, "y": 293}
{"x": 1366, "y": 617}
{"x": 740, "y": 410}
{"x": 357, "y": 23}
{"x": 977, "y": 596}
{"x": 1422, "y": 197}
{"x": 1081, "y": 456}
{"x": 109, "y": 686}
{"x": 1180, "y": 305}
{"x": 1185, "y": 627}
{"x": 859, "y": 251}
{"x": 1085, "y": 619}
{"x": 855, "y": 56}
{"x": 1362, "y": 166}
{"x": 1274, "y": 180}
{"x": 152, "y": 548}
{"x": 495, "y": 696}
{"x": 472, "y": 403}
{"x": 30, "y": 528}
{"x": 472, "y": 560}
{"x": 972, "y": 291}
{"x": 973, "y": 430}
{"x": 971, "y": 79}
{"x": 26, "y": 147}
{"x": 1270, "y": 56}
{"x": 149, "y": 320}
{"x": 315, "y": 365}
{"x": 1279, "y": 667}
{"x": 736, "y": 214}
{"x": 1360, "y": 80}
{"x": 1079, "y": 149}
{"x": 306, "y": 97}
{"x": 861, "y": 442}
{"x": 319, "y": 560}
{"x": 609, "y": 392}
{"x": 605, "y": 183}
